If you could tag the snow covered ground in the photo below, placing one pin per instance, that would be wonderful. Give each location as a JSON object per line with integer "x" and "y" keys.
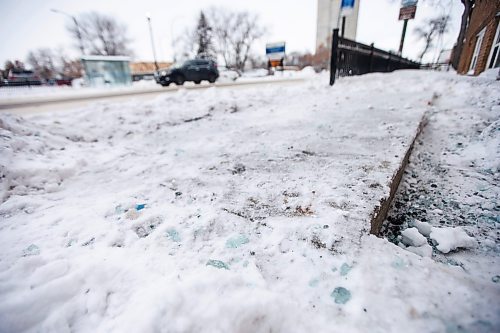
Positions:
{"x": 227, "y": 211}
{"x": 451, "y": 186}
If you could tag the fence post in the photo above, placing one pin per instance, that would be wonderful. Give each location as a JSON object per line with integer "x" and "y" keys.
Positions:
{"x": 334, "y": 56}
{"x": 372, "y": 46}
{"x": 389, "y": 62}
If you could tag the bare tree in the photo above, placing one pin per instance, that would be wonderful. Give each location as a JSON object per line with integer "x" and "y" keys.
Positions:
{"x": 464, "y": 24}
{"x": 235, "y": 33}
{"x": 19, "y": 65}
{"x": 432, "y": 29}
{"x": 101, "y": 35}
{"x": 43, "y": 62}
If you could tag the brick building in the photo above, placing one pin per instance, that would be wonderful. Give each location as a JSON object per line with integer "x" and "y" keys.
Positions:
{"x": 143, "y": 70}
{"x": 482, "y": 39}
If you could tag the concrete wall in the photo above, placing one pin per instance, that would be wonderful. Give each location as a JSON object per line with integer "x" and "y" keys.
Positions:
{"x": 328, "y": 19}
{"x": 484, "y": 15}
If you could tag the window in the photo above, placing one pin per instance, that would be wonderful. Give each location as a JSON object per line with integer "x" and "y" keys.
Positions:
{"x": 477, "y": 49}
{"x": 494, "y": 59}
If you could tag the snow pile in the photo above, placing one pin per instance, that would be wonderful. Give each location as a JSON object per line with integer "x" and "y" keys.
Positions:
{"x": 308, "y": 71}
{"x": 243, "y": 210}
{"x": 423, "y": 227}
{"x": 424, "y": 250}
{"x": 412, "y": 237}
{"x": 449, "y": 239}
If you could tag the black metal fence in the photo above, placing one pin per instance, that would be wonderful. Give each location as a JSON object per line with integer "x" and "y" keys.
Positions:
{"x": 352, "y": 58}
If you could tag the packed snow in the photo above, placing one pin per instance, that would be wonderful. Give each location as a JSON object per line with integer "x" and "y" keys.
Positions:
{"x": 448, "y": 239}
{"x": 244, "y": 210}
{"x": 412, "y": 237}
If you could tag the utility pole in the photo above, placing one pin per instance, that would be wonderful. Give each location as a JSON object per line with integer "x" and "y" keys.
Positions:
{"x": 148, "y": 17}
{"x": 78, "y": 31}
{"x": 403, "y": 35}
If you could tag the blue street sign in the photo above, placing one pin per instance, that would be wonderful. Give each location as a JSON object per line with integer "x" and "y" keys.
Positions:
{"x": 408, "y": 3}
{"x": 275, "y": 49}
{"x": 347, "y": 4}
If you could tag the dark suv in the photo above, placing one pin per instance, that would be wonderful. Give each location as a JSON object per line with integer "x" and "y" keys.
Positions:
{"x": 192, "y": 70}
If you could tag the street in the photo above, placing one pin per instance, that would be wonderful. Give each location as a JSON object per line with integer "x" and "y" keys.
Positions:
{"x": 27, "y": 105}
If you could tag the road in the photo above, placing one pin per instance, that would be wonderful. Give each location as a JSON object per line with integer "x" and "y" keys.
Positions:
{"x": 30, "y": 105}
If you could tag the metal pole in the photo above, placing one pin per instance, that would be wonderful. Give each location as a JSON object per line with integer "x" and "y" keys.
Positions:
{"x": 152, "y": 41}
{"x": 78, "y": 32}
{"x": 343, "y": 26}
{"x": 405, "y": 24}
{"x": 333, "y": 56}
{"x": 79, "y": 35}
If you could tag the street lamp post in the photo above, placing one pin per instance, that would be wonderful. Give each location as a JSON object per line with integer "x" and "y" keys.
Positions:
{"x": 78, "y": 32}
{"x": 148, "y": 16}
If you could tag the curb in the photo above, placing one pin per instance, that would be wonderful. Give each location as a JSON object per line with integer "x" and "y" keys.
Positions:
{"x": 380, "y": 212}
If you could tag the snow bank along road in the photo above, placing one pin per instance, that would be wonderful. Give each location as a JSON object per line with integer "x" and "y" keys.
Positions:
{"x": 71, "y": 98}
{"x": 225, "y": 211}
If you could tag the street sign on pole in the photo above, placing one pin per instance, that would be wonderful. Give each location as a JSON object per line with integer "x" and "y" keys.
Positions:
{"x": 347, "y": 7}
{"x": 275, "y": 51}
{"x": 406, "y": 12}
{"x": 408, "y": 9}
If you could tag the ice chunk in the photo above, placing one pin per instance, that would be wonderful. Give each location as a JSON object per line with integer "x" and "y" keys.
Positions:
{"x": 173, "y": 235}
{"x": 313, "y": 283}
{"x": 344, "y": 269}
{"x": 235, "y": 242}
{"x": 132, "y": 214}
{"x": 119, "y": 209}
{"x": 31, "y": 250}
{"x": 217, "y": 264}
{"x": 341, "y": 295}
{"x": 423, "y": 227}
{"x": 412, "y": 237}
{"x": 399, "y": 263}
{"x": 423, "y": 251}
{"x": 449, "y": 239}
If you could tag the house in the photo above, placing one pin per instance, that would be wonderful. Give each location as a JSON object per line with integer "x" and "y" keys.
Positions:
{"x": 482, "y": 39}
{"x": 145, "y": 70}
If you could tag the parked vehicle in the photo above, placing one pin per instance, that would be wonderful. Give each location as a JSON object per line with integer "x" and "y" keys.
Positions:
{"x": 22, "y": 77}
{"x": 195, "y": 70}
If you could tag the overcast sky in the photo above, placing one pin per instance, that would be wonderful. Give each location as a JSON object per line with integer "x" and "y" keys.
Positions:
{"x": 29, "y": 24}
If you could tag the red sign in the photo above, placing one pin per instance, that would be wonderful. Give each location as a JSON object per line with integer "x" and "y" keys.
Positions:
{"x": 407, "y": 13}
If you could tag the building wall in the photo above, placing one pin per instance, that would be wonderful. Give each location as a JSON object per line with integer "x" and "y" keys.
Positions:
{"x": 483, "y": 15}
{"x": 328, "y": 19}
{"x": 107, "y": 72}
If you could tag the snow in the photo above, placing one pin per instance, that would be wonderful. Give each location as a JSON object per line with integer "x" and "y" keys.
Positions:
{"x": 412, "y": 237}
{"x": 452, "y": 176}
{"x": 449, "y": 239}
{"x": 225, "y": 210}
{"x": 423, "y": 250}
{"x": 423, "y": 227}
